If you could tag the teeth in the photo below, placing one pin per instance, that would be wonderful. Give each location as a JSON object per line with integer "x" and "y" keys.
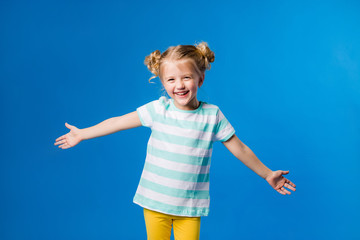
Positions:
{"x": 182, "y": 93}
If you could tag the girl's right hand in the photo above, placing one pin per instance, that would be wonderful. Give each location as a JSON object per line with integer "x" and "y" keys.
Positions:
{"x": 70, "y": 139}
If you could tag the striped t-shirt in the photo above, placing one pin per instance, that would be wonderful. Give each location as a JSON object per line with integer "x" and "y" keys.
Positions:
{"x": 175, "y": 178}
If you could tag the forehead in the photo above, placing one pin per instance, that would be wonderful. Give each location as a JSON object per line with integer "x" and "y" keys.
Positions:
{"x": 171, "y": 67}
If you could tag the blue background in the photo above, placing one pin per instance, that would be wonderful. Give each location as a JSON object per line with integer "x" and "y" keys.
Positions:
{"x": 286, "y": 75}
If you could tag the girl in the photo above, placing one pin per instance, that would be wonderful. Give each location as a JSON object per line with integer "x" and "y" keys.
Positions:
{"x": 174, "y": 185}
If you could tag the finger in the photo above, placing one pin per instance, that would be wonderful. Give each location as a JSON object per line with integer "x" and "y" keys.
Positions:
{"x": 291, "y": 183}
{"x": 63, "y": 143}
{"x": 285, "y": 172}
{"x": 68, "y": 126}
{"x": 284, "y": 190}
{"x": 60, "y": 138}
{"x": 60, "y": 142}
{"x": 65, "y": 146}
{"x": 281, "y": 192}
{"x": 289, "y": 186}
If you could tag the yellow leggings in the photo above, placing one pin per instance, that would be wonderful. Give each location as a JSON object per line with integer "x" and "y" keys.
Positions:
{"x": 158, "y": 226}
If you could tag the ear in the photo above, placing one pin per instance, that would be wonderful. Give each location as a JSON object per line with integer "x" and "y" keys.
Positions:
{"x": 201, "y": 80}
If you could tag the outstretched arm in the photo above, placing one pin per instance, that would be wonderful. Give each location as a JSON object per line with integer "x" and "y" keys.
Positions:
{"x": 111, "y": 125}
{"x": 245, "y": 155}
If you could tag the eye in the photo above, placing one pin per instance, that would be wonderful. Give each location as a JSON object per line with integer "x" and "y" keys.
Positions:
{"x": 187, "y": 77}
{"x": 170, "y": 79}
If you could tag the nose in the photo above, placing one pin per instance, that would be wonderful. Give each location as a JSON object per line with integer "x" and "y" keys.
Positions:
{"x": 180, "y": 84}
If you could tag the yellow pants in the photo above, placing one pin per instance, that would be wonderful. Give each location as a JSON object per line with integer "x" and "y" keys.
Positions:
{"x": 158, "y": 226}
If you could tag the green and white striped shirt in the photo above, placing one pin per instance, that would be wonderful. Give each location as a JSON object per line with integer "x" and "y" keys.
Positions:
{"x": 175, "y": 178}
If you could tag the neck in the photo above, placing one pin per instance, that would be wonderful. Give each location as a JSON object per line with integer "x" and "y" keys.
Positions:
{"x": 195, "y": 104}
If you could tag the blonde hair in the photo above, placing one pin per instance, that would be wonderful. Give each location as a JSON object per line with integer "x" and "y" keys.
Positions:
{"x": 200, "y": 53}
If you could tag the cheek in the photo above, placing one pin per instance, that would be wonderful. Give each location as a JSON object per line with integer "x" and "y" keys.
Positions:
{"x": 169, "y": 88}
{"x": 193, "y": 87}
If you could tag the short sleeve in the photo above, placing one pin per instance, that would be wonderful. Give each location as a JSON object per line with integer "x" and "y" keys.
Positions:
{"x": 146, "y": 113}
{"x": 223, "y": 129}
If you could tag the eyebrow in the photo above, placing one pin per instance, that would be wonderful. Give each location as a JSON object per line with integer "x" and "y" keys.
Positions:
{"x": 185, "y": 74}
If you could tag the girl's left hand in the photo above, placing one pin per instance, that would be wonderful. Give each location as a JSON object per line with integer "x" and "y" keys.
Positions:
{"x": 278, "y": 182}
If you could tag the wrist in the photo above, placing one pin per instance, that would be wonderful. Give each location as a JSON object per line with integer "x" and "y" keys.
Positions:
{"x": 267, "y": 174}
{"x": 82, "y": 135}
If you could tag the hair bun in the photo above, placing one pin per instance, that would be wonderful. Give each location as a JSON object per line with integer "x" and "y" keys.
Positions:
{"x": 153, "y": 63}
{"x": 209, "y": 55}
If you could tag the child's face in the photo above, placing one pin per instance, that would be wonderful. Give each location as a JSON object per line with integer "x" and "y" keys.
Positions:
{"x": 181, "y": 81}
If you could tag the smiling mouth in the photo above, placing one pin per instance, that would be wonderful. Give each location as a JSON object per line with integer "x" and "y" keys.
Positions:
{"x": 181, "y": 93}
